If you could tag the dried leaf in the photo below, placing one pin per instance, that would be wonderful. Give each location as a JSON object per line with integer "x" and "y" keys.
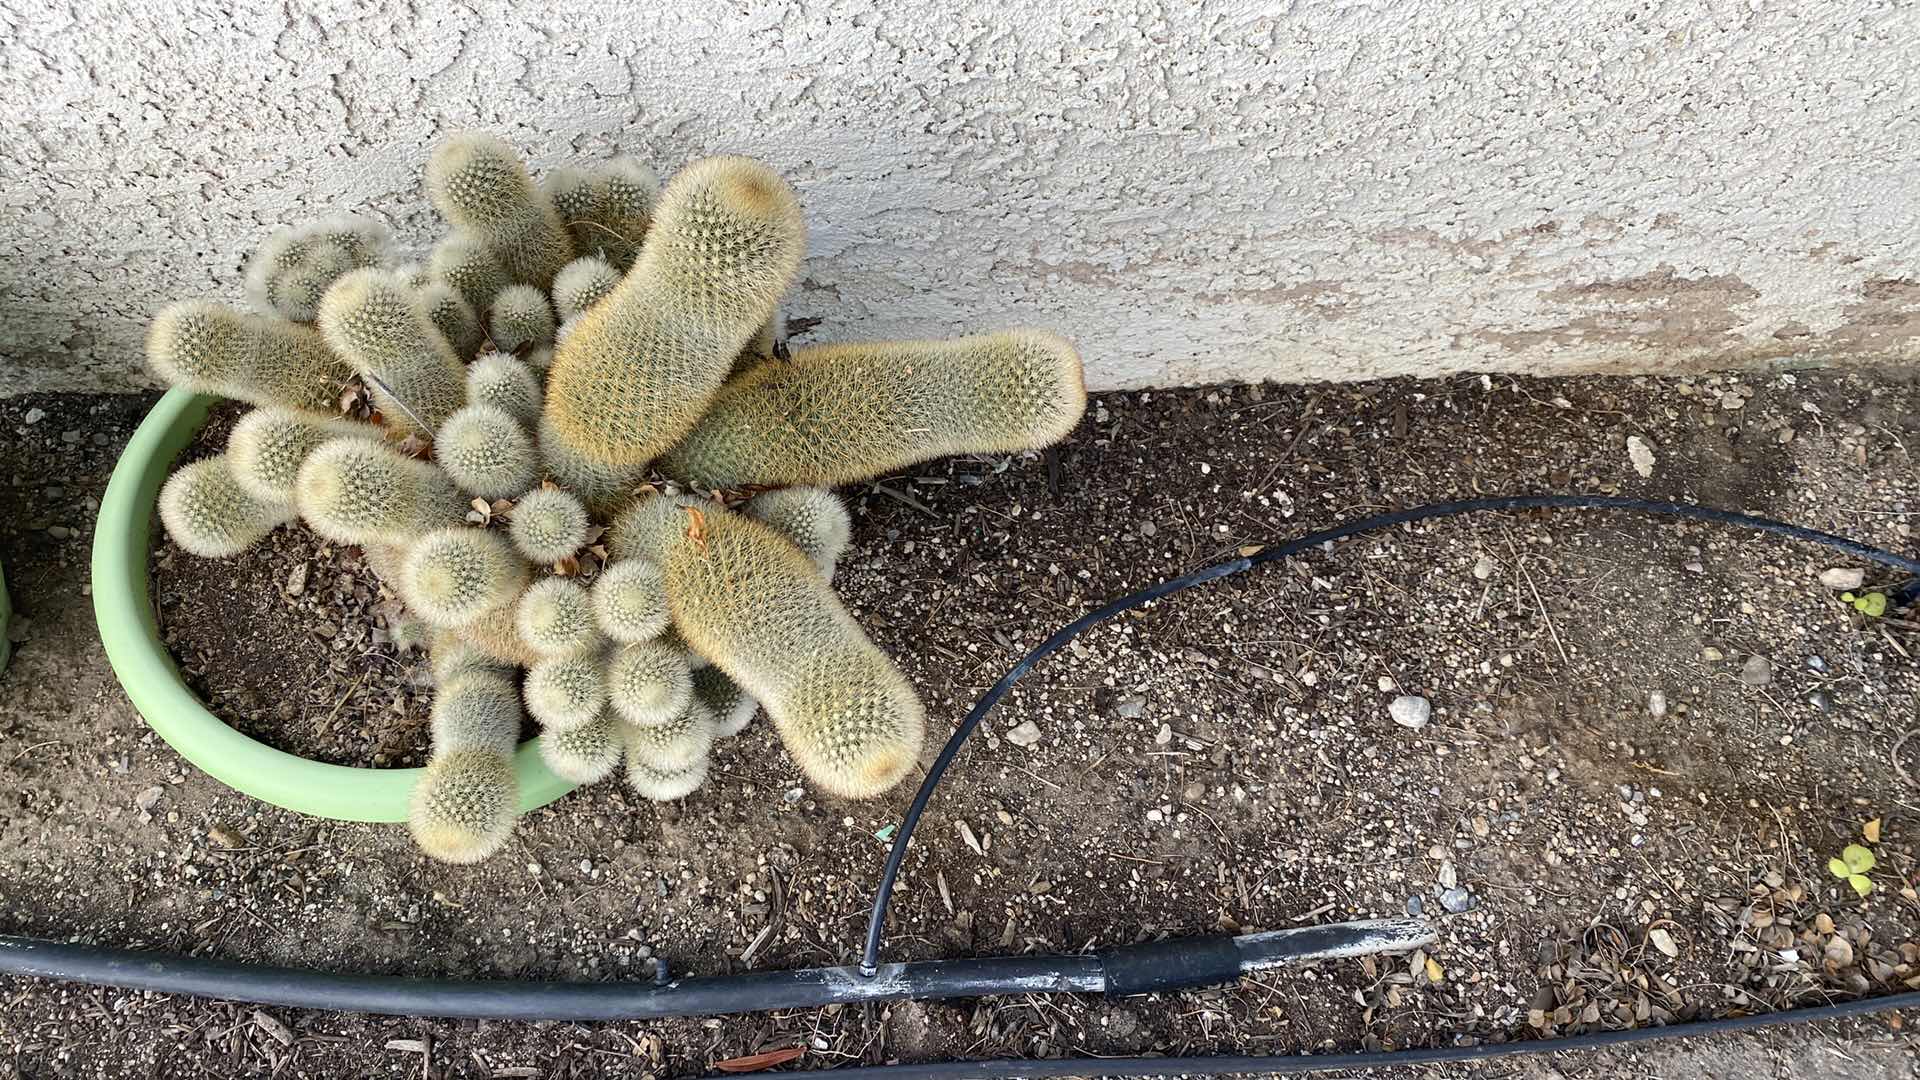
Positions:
{"x": 756, "y": 1062}
{"x": 568, "y": 566}
{"x": 1838, "y": 953}
{"x": 966, "y": 835}
{"x": 1435, "y": 973}
{"x": 1823, "y": 922}
{"x": 1663, "y": 941}
{"x": 697, "y": 530}
{"x": 1871, "y": 830}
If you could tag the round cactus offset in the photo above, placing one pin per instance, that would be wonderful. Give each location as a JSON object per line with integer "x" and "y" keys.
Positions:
{"x": 502, "y": 447}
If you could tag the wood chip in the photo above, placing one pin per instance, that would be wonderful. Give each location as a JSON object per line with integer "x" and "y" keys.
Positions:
{"x": 966, "y": 835}
{"x": 275, "y": 1030}
{"x": 756, "y": 1062}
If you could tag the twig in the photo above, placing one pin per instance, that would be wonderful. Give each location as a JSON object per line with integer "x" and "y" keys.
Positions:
{"x": 1548, "y": 619}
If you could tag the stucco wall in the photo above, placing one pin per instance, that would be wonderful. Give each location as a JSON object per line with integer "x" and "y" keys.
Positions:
{"x": 1195, "y": 191}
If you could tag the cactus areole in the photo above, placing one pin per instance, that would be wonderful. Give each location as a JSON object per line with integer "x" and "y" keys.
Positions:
{"x": 568, "y": 443}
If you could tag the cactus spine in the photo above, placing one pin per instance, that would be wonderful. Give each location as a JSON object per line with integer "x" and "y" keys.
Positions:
{"x": 565, "y": 692}
{"x": 375, "y": 320}
{"x": 582, "y": 284}
{"x": 603, "y": 488}
{"x": 732, "y": 707}
{"x": 638, "y": 369}
{"x": 521, "y": 319}
{"x": 649, "y": 683}
{"x": 453, "y": 317}
{"x": 487, "y": 452}
{"x": 465, "y": 805}
{"x": 479, "y": 185}
{"x": 208, "y": 513}
{"x": 843, "y": 413}
{"x": 453, "y": 576}
{"x": 480, "y": 710}
{"x": 674, "y": 745}
{"x": 268, "y": 445}
{"x": 813, "y": 518}
{"x": 548, "y": 525}
{"x": 586, "y": 754}
{"x": 661, "y": 786}
{"x": 496, "y": 378}
{"x": 630, "y": 601}
{"x": 360, "y": 491}
{"x": 555, "y": 616}
{"x": 292, "y": 270}
{"x": 464, "y": 262}
{"x": 210, "y": 348}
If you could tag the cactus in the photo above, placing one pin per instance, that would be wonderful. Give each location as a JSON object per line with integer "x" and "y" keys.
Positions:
{"x": 465, "y": 805}
{"x": 661, "y": 786}
{"x": 637, "y": 371}
{"x": 496, "y": 634}
{"x": 453, "y": 317}
{"x": 576, "y": 199}
{"x": 480, "y": 710}
{"x": 811, "y": 517}
{"x": 607, "y": 210}
{"x": 487, "y": 452}
{"x": 602, "y": 488}
{"x": 268, "y": 445}
{"x": 479, "y": 185}
{"x": 565, "y": 692}
{"x": 452, "y": 576}
{"x": 586, "y": 754}
{"x": 732, "y": 707}
{"x": 649, "y": 683}
{"x": 359, "y": 491}
{"x": 208, "y": 513}
{"x": 376, "y": 321}
{"x": 548, "y": 525}
{"x": 675, "y": 744}
{"x": 541, "y": 359}
{"x": 408, "y": 633}
{"x": 843, "y": 413}
{"x": 759, "y": 348}
{"x": 521, "y": 319}
{"x": 746, "y": 598}
{"x": 450, "y": 657}
{"x": 210, "y": 348}
{"x": 464, "y": 262}
{"x": 292, "y": 270}
{"x": 582, "y": 284}
{"x": 555, "y": 616}
{"x": 496, "y": 378}
{"x": 630, "y": 601}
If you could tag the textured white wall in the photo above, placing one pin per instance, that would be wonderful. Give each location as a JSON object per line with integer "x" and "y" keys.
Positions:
{"x": 1195, "y": 191}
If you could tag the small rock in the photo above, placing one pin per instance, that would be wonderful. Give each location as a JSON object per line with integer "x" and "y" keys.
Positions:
{"x": 297, "y": 579}
{"x": 1456, "y": 900}
{"x": 1656, "y": 704}
{"x": 1386, "y": 684}
{"x": 1756, "y": 671}
{"x": 1640, "y": 455}
{"x": 70, "y": 436}
{"x": 1148, "y": 529}
{"x": 1711, "y": 653}
{"x": 1411, "y": 711}
{"x": 1194, "y": 792}
{"x": 1025, "y": 734}
{"x": 1484, "y": 568}
{"x": 1131, "y": 709}
{"x": 1164, "y": 735}
{"x": 794, "y": 795}
{"x": 35, "y": 415}
{"x": 59, "y": 532}
{"x": 146, "y": 800}
{"x": 1842, "y": 578}
{"x": 1821, "y": 700}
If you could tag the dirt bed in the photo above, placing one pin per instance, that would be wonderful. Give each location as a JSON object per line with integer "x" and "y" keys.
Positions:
{"x": 1644, "y": 742}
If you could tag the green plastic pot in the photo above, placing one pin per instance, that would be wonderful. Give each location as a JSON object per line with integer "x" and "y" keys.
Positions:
{"x": 124, "y": 611}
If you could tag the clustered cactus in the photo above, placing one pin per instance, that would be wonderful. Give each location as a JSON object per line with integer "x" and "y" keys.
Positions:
{"x": 583, "y": 458}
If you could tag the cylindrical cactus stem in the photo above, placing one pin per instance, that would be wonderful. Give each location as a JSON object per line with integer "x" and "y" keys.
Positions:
{"x": 630, "y": 601}
{"x": 497, "y": 378}
{"x": 479, "y": 710}
{"x": 746, "y": 598}
{"x": 582, "y": 284}
{"x": 453, "y": 576}
{"x": 375, "y": 320}
{"x": 759, "y": 348}
{"x": 293, "y": 268}
{"x": 640, "y": 366}
{"x": 576, "y": 199}
{"x": 487, "y": 452}
{"x": 208, "y": 513}
{"x": 732, "y": 707}
{"x": 268, "y": 445}
{"x": 464, "y": 261}
{"x": 360, "y": 491}
{"x": 465, "y": 805}
{"x": 660, "y": 786}
{"x": 521, "y": 319}
{"x": 548, "y": 524}
{"x": 813, "y": 518}
{"x": 629, "y": 190}
{"x": 603, "y": 488}
{"x": 480, "y": 185}
{"x": 210, "y": 348}
{"x": 566, "y": 691}
{"x": 675, "y": 744}
{"x": 586, "y": 754}
{"x": 496, "y": 634}
{"x": 452, "y": 657}
{"x": 555, "y": 616}
{"x": 454, "y": 318}
{"x": 649, "y": 683}
{"x": 843, "y": 413}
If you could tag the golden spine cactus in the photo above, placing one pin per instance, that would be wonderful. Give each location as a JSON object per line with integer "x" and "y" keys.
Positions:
{"x": 453, "y": 576}
{"x": 479, "y": 185}
{"x": 464, "y": 807}
{"x": 629, "y": 190}
{"x": 385, "y": 560}
{"x": 375, "y": 320}
{"x": 496, "y": 634}
{"x": 630, "y": 601}
{"x": 602, "y": 488}
{"x": 674, "y": 745}
{"x": 586, "y": 754}
{"x": 637, "y": 370}
{"x": 497, "y": 378}
{"x": 746, "y": 598}
{"x": 479, "y": 710}
{"x": 521, "y": 319}
{"x": 453, "y": 317}
{"x": 565, "y": 692}
{"x": 582, "y": 284}
{"x": 450, "y": 657}
{"x": 844, "y": 413}
{"x": 292, "y": 270}
{"x": 210, "y": 348}
{"x": 487, "y": 452}
{"x": 661, "y": 786}
{"x": 208, "y": 513}
{"x": 361, "y": 491}
{"x": 649, "y": 683}
{"x": 555, "y": 616}
{"x": 813, "y": 518}
{"x": 547, "y": 525}
{"x": 268, "y": 445}
{"x": 464, "y": 262}
{"x": 576, "y": 199}
{"x": 732, "y": 707}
